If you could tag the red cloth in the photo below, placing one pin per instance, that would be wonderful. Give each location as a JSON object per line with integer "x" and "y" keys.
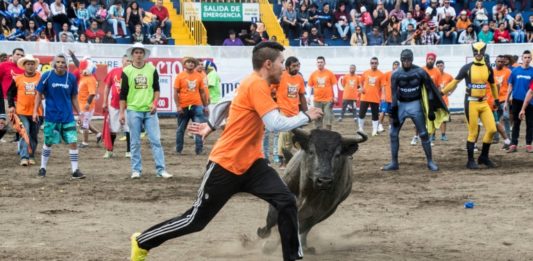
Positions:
{"x": 106, "y": 133}
{"x": 161, "y": 14}
{"x": 7, "y": 71}
{"x": 431, "y": 54}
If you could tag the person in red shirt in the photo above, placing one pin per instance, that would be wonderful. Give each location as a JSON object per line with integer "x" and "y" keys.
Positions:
{"x": 502, "y": 34}
{"x": 113, "y": 81}
{"x": 93, "y": 31}
{"x": 8, "y": 70}
{"x": 163, "y": 20}
{"x": 236, "y": 163}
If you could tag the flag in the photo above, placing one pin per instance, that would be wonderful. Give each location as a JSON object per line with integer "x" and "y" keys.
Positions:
{"x": 106, "y": 133}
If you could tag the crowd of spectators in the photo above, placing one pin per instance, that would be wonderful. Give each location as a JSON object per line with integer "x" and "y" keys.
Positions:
{"x": 405, "y": 22}
{"x": 95, "y": 21}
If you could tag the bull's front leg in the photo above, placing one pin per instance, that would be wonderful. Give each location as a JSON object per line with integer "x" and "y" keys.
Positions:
{"x": 271, "y": 221}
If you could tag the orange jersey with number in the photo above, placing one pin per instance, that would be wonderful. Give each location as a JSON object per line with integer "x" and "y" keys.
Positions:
{"x": 240, "y": 145}
{"x": 288, "y": 93}
{"x": 350, "y": 83}
{"x": 322, "y": 82}
{"x": 372, "y": 84}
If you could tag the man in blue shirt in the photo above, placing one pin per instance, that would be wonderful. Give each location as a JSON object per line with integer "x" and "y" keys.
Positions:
{"x": 519, "y": 82}
{"x": 375, "y": 37}
{"x": 60, "y": 89}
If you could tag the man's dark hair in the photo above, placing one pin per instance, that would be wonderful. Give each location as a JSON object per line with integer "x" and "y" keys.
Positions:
{"x": 374, "y": 58}
{"x": 290, "y": 61}
{"x": 265, "y": 51}
{"x": 17, "y": 49}
{"x": 526, "y": 52}
{"x": 321, "y": 58}
{"x": 439, "y": 62}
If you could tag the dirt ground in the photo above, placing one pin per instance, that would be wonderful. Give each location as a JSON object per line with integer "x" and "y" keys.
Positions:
{"x": 410, "y": 214}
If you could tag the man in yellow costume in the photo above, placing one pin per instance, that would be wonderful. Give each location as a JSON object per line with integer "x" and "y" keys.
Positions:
{"x": 477, "y": 75}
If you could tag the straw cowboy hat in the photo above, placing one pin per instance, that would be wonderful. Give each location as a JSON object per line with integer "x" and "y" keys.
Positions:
{"x": 129, "y": 52}
{"x": 26, "y": 58}
{"x": 192, "y": 59}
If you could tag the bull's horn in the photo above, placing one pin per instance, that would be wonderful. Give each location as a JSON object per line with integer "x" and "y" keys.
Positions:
{"x": 361, "y": 137}
{"x": 300, "y": 132}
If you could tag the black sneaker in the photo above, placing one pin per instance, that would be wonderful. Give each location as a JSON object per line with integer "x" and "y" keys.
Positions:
{"x": 98, "y": 138}
{"x": 78, "y": 175}
{"x": 42, "y": 172}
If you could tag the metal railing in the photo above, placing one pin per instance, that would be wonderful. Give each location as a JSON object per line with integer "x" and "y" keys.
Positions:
{"x": 270, "y": 20}
{"x": 193, "y": 22}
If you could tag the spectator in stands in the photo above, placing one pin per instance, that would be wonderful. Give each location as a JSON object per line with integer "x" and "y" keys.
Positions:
{"x": 518, "y": 29}
{"x": 365, "y": 20}
{"x": 394, "y": 38}
{"x": 448, "y": 34}
{"x": 485, "y": 35}
{"x": 428, "y": 36}
{"x": 134, "y": 15}
{"x": 92, "y": 9}
{"x": 397, "y": 12}
{"x": 419, "y": 14}
{"x": 42, "y": 37}
{"x": 493, "y": 26}
{"x": 101, "y": 16}
{"x": 462, "y": 22}
{"x": 251, "y": 38}
{"x": 500, "y": 19}
{"x": 304, "y": 39}
{"x": 16, "y": 10}
{"x": 116, "y": 16}
{"x": 529, "y": 29}
{"x": 405, "y": 5}
{"x": 326, "y": 21}
{"x": 83, "y": 15}
{"x": 393, "y": 24}
{"x": 342, "y": 22}
{"x": 93, "y": 31}
{"x": 50, "y": 32}
{"x": 71, "y": 13}
{"x": 411, "y": 37}
{"x": 480, "y": 15}
{"x": 31, "y": 32}
{"x": 4, "y": 28}
{"x": 313, "y": 16}
{"x": 358, "y": 37}
{"x": 82, "y": 38}
{"x": 59, "y": 12}
{"x": 375, "y": 37}
{"x": 163, "y": 20}
{"x": 289, "y": 22}
{"x": 320, "y": 3}
{"x": 97, "y": 40}
{"x": 468, "y": 36}
{"x": 65, "y": 30}
{"x": 138, "y": 35}
{"x": 408, "y": 20}
{"x": 158, "y": 37}
{"x": 315, "y": 39}
{"x": 497, "y": 8}
{"x": 431, "y": 12}
{"x": 108, "y": 38}
{"x": 232, "y": 40}
{"x": 303, "y": 18}
{"x": 42, "y": 10}
{"x": 445, "y": 10}
{"x": 502, "y": 34}
{"x": 380, "y": 17}
{"x": 63, "y": 38}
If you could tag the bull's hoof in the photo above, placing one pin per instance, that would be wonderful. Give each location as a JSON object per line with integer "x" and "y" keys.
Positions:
{"x": 263, "y": 232}
{"x": 269, "y": 247}
{"x": 310, "y": 251}
{"x": 390, "y": 166}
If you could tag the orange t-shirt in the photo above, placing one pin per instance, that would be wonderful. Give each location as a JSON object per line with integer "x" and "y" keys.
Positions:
{"x": 240, "y": 145}
{"x": 434, "y": 74}
{"x": 387, "y": 87}
{"x": 350, "y": 84}
{"x": 322, "y": 82}
{"x": 86, "y": 87}
{"x": 444, "y": 80}
{"x": 188, "y": 87}
{"x": 288, "y": 93}
{"x": 26, "y": 93}
{"x": 372, "y": 84}
{"x": 501, "y": 77}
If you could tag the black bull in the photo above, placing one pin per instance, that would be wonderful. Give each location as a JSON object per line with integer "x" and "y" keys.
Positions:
{"x": 320, "y": 175}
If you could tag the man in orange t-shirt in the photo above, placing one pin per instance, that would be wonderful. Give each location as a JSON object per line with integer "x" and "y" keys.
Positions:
{"x": 501, "y": 78}
{"x": 350, "y": 85}
{"x": 371, "y": 95}
{"x": 290, "y": 96}
{"x": 444, "y": 80}
{"x": 236, "y": 163}
{"x": 324, "y": 84}
{"x": 86, "y": 98}
{"x": 22, "y": 90}
{"x": 191, "y": 101}
{"x": 386, "y": 97}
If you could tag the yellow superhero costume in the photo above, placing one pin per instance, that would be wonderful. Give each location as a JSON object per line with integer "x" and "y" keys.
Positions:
{"x": 477, "y": 74}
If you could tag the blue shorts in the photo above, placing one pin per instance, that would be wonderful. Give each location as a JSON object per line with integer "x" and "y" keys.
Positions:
{"x": 385, "y": 107}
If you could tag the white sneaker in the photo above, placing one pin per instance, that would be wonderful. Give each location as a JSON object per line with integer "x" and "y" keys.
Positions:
{"x": 128, "y": 155}
{"x": 164, "y": 174}
{"x": 414, "y": 141}
{"x": 380, "y": 128}
{"x": 374, "y": 133}
{"x": 135, "y": 175}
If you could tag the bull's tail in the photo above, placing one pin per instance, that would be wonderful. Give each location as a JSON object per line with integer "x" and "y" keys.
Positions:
{"x": 271, "y": 221}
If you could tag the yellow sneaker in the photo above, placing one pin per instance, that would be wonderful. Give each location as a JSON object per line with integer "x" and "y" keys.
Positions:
{"x": 137, "y": 253}
{"x": 143, "y": 135}
{"x": 123, "y": 138}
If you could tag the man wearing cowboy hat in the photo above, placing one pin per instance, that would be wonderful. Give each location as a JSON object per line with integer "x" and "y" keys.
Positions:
{"x": 191, "y": 101}
{"x": 23, "y": 90}
{"x": 139, "y": 94}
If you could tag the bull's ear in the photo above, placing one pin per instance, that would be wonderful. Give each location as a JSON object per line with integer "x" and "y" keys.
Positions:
{"x": 301, "y": 137}
{"x": 349, "y": 146}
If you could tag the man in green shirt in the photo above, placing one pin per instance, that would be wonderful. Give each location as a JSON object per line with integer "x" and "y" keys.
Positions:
{"x": 139, "y": 95}
{"x": 485, "y": 35}
{"x": 213, "y": 82}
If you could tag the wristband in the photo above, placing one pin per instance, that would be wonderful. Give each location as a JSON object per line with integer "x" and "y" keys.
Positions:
{"x": 211, "y": 126}
{"x": 309, "y": 118}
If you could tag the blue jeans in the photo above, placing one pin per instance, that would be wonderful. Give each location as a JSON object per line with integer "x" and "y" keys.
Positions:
{"x": 136, "y": 119}
{"x": 32, "y": 129}
{"x": 166, "y": 28}
{"x": 452, "y": 38}
{"x": 519, "y": 36}
{"x": 196, "y": 114}
{"x": 266, "y": 144}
